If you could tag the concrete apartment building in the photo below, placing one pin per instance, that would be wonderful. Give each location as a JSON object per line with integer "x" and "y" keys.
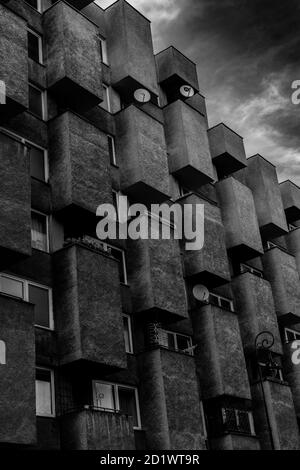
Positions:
{"x": 108, "y": 345}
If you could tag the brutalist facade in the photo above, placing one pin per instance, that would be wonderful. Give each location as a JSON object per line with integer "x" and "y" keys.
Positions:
{"x": 109, "y": 345}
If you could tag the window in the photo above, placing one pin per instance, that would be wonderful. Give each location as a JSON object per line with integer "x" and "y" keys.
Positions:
{"x": 35, "y": 46}
{"x": 103, "y": 50}
{"x": 112, "y": 149}
{"x": 175, "y": 341}
{"x": 291, "y": 335}
{"x": 127, "y": 334}
{"x": 35, "y": 4}
{"x": 245, "y": 268}
{"x": 38, "y": 165}
{"x": 106, "y": 99}
{"x": 121, "y": 257}
{"x": 117, "y": 398}
{"x": 292, "y": 227}
{"x": 44, "y": 388}
{"x": 40, "y": 296}
{"x": 235, "y": 420}
{"x": 270, "y": 245}
{"x": 39, "y": 231}
{"x": 37, "y": 101}
{"x": 221, "y": 302}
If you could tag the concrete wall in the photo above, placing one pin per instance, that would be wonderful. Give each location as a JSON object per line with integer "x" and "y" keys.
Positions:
{"x": 290, "y": 194}
{"x": 72, "y": 57}
{"x": 17, "y": 384}
{"x": 292, "y": 375}
{"x": 142, "y": 155}
{"x": 239, "y": 218}
{"x": 227, "y": 149}
{"x": 15, "y": 205}
{"x": 173, "y": 65}
{"x": 88, "y": 318}
{"x": 13, "y": 62}
{"x": 262, "y": 179}
{"x": 293, "y": 245}
{"x": 97, "y": 430}
{"x": 79, "y": 164}
{"x": 188, "y": 147}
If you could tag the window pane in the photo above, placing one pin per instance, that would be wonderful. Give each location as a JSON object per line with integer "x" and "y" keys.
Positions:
{"x": 33, "y": 3}
{"x": 104, "y": 396}
{"x": 35, "y": 101}
{"x": 40, "y": 298}
{"x": 183, "y": 342}
{"x": 225, "y": 304}
{"x": 37, "y": 163}
{"x": 39, "y": 239}
{"x": 127, "y": 337}
{"x": 33, "y": 47}
{"x": 111, "y": 149}
{"x": 290, "y": 335}
{"x": 171, "y": 341}
{"x": 105, "y": 102}
{"x": 12, "y": 287}
{"x": 43, "y": 393}
{"x": 128, "y": 403}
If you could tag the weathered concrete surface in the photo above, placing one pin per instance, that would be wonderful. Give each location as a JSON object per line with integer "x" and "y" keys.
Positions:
{"x": 79, "y": 164}
{"x": 219, "y": 355}
{"x": 17, "y": 384}
{"x": 87, "y": 306}
{"x": 290, "y": 194}
{"x": 262, "y": 179}
{"x": 72, "y": 57}
{"x": 141, "y": 150}
{"x": 239, "y": 218}
{"x": 173, "y": 66}
{"x": 97, "y": 430}
{"x": 292, "y": 375}
{"x": 13, "y": 62}
{"x": 130, "y": 48}
{"x": 255, "y": 309}
{"x": 293, "y": 245}
{"x": 15, "y": 200}
{"x": 188, "y": 148}
{"x": 210, "y": 264}
{"x": 235, "y": 442}
{"x": 227, "y": 149}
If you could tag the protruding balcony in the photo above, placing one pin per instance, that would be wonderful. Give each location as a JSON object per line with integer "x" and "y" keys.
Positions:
{"x": 87, "y": 302}
{"x": 89, "y": 429}
{"x": 141, "y": 145}
{"x": 290, "y": 194}
{"x": 18, "y": 417}
{"x": 130, "y": 50}
{"x": 239, "y": 219}
{"x": 280, "y": 269}
{"x": 15, "y": 200}
{"x": 13, "y": 64}
{"x": 227, "y": 150}
{"x": 73, "y": 57}
{"x": 79, "y": 165}
{"x": 188, "y": 147}
{"x": 262, "y": 179}
{"x": 209, "y": 265}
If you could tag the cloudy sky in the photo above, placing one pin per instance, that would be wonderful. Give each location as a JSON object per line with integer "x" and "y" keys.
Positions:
{"x": 248, "y": 55}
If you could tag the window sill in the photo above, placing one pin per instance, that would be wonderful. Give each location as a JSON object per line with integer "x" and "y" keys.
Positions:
{"x": 44, "y": 328}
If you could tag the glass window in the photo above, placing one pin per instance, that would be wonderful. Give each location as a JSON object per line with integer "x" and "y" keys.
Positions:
{"x": 127, "y": 334}
{"x": 44, "y": 393}
{"x": 106, "y": 101}
{"x": 39, "y": 231}
{"x": 33, "y": 3}
{"x": 112, "y": 149}
{"x": 40, "y": 298}
{"x": 37, "y": 163}
{"x": 183, "y": 342}
{"x": 120, "y": 256}
{"x": 103, "y": 50}
{"x": 36, "y": 101}
{"x": 35, "y": 47}
{"x": 127, "y": 403}
{"x": 104, "y": 396}
{"x": 12, "y": 287}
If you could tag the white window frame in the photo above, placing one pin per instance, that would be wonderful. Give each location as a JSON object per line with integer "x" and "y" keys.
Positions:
{"x": 40, "y": 42}
{"x": 44, "y": 101}
{"x": 220, "y": 298}
{"x": 52, "y": 386}
{"x": 114, "y": 156}
{"x": 116, "y": 400}
{"x": 128, "y": 317}
{"x": 30, "y": 144}
{"x": 175, "y": 334}
{"x": 294, "y": 332}
{"x": 47, "y": 230}
{"x": 107, "y": 247}
{"x": 106, "y": 91}
{"x": 250, "y": 269}
{"x": 26, "y": 284}
{"x": 103, "y": 47}
{"x": 270, "y": 245}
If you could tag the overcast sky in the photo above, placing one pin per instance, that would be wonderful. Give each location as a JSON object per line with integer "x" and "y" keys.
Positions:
{"x": 248, "y": 55}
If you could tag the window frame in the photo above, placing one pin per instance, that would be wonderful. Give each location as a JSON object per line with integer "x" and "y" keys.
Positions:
{"x": 246, "y": 268}
{"x": 107, "y": 247}
{"x": 294, "y": 332}
{"x": 52, "y": 387}
{"x": 175, "y": 334}
{"x": 43, "y": 101}
{"x": 25, "y": 297}
{"x": 220, "y": 298}
{"x": 106, "y": 88}
{"x": 40, "y": 46}
{"x": 47, "y": 231}
{"x": 39, "y": 8}
{"x": 103, "y": 50}
{"x": 116, "y": 400}
{"x": 113, "y": 160}
{"x": 237, "y": 419}
{"x": 128, "y": 317}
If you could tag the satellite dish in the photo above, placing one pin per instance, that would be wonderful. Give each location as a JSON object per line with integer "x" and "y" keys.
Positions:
{"x": 142, "y": 96}
{"x": 201, "y": 293}
{"x": 187, "y": 91}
